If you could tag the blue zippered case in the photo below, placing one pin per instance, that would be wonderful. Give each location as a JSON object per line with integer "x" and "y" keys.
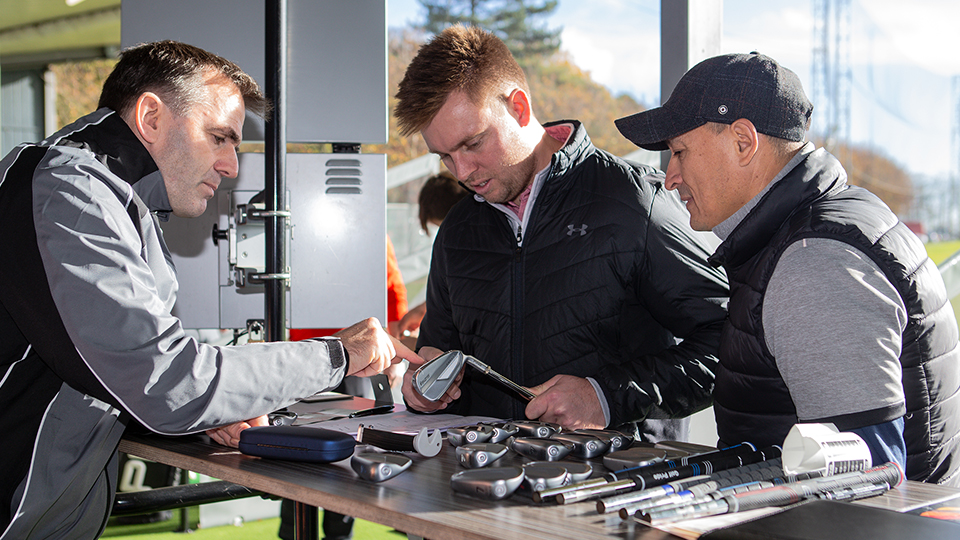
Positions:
{"x": 297, "y": 443}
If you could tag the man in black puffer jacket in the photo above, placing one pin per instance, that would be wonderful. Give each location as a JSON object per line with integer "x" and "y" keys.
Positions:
{"x": 570, "y": 270}
{"x": 837, "y": 315}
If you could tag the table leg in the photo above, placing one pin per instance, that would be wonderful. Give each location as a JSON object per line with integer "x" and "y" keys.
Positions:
{"x": 307, "y": 524}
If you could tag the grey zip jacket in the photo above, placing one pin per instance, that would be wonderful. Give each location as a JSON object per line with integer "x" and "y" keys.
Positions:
{"x": 88, "y": 344}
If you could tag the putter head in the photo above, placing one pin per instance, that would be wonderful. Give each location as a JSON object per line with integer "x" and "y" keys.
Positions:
{"x": 436, "y": 376}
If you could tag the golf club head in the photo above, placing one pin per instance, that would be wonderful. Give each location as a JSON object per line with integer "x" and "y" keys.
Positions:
{"x": 493, "y": 483}
{"x": 541, "y": 475}
{"x": 476, "y": 455}
{"x": 377, "y": 467}
{"x": 435, "y": 377}
{"x": 583, "y": 445}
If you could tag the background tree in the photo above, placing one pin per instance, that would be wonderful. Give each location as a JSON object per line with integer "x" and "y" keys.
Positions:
{"x": 78, "y": 87}
{"x": 870, "y": 169}
{"x": 560, "y": 89}
{"x": 513, "y": 21}
{"x": 879, "y": 174}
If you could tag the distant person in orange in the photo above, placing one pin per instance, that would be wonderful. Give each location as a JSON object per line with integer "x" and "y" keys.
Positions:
{"x": 396, "y": 291}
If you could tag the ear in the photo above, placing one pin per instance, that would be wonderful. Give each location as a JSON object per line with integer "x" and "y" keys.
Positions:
{"x": 147, "y": 115}
{"x": 519, "y": 104}
{"x": 746, "y": 139}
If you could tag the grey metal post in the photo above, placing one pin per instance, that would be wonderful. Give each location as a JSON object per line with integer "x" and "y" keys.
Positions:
{"x": 690, "y": 31}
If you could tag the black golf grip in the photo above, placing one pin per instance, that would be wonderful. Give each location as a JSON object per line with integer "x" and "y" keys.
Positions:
{"x": 657, "y": 475}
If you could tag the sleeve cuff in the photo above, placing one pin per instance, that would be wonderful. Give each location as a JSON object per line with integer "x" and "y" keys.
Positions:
{"x": 603, "y": 401}
{"x": 339, "y": 356}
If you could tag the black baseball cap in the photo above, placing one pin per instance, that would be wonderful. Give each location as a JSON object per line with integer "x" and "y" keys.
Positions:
{"x": 723, "y": 89}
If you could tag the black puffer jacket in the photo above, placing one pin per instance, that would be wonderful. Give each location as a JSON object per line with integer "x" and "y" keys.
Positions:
{"x": 752, "y": 402}
{"x": 608, "y": 276}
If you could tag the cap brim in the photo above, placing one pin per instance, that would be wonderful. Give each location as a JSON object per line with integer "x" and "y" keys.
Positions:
{"x": 651, "y": 129}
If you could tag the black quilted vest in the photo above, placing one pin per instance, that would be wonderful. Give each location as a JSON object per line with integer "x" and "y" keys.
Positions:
{"x": 751, "y": 401}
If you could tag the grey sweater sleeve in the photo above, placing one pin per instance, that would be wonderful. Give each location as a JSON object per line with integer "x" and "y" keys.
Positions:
{"x": 834, "y": 323}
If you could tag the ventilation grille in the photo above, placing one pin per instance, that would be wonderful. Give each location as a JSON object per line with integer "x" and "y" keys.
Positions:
{"x": 344, "y": 177}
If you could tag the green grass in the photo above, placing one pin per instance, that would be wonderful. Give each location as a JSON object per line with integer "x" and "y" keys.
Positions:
{"x": 939, "y": 251}
{"x": 251, "y": 530}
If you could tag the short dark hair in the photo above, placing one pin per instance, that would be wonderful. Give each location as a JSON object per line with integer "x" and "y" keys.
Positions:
{"x": 176, "y": 72}
{"x": 461, "y": 57}
{"x": 782, "y": 148}
{"x": 437, "y": 196}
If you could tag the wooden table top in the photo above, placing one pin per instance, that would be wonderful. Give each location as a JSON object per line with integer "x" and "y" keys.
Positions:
{"x": 419, "y": 501}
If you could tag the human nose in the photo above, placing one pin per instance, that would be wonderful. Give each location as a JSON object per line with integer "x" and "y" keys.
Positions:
{"x": 673, "y": 178}
{"x": 463, "y": 166}
{"x": 229, "y": 164}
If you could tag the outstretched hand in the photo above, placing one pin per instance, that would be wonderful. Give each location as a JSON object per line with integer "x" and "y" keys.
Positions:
{"x": 372, "y": 349}
{"x": 411, "y": 320}
{"x": 229, "y": 435}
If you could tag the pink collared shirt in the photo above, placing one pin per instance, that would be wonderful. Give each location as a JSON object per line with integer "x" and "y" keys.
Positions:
{"x": 560, "y": 132}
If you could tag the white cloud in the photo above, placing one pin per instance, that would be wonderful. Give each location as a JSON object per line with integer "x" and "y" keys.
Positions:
{"x": 785, "y": 34}
{"x": 922, "y": 32}
{"x": 617, "y": 41}
{"x": 617, "y": 61}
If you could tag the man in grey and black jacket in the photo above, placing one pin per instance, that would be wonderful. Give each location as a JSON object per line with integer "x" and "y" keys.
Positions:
{"x": 88, "y": 343}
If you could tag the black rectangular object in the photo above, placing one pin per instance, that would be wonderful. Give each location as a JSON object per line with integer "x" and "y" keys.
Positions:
{"x": 297, "y": 443}
{"x": 833, "y": 520}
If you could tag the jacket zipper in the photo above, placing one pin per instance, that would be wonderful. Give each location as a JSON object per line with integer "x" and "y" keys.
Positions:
{"x": 517, "y": 347}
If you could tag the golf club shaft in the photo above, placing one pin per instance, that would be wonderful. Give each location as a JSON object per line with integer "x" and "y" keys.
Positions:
{"x": 523, "y": 393}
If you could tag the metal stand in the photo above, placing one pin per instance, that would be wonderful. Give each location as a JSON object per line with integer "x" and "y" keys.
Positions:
{"x": 275, "y": 156}
{"x": 174, "y": 497}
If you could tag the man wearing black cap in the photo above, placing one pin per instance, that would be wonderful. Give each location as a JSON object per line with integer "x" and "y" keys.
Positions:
{"x": 836, "y": 314}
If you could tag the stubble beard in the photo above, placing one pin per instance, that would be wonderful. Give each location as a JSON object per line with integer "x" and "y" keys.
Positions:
{"x": 517, "y": 179}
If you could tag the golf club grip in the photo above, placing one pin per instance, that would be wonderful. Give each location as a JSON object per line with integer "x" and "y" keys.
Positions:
{"x": 387, "y": 440}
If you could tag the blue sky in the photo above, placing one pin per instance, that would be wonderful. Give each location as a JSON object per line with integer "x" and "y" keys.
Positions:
{"x": 903, "y": 55}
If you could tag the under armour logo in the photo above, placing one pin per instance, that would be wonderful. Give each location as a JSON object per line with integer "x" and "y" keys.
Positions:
{"x": 581, "y": 229}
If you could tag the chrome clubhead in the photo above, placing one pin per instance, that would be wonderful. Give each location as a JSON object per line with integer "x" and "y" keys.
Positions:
{"x": 436, "y": 376}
